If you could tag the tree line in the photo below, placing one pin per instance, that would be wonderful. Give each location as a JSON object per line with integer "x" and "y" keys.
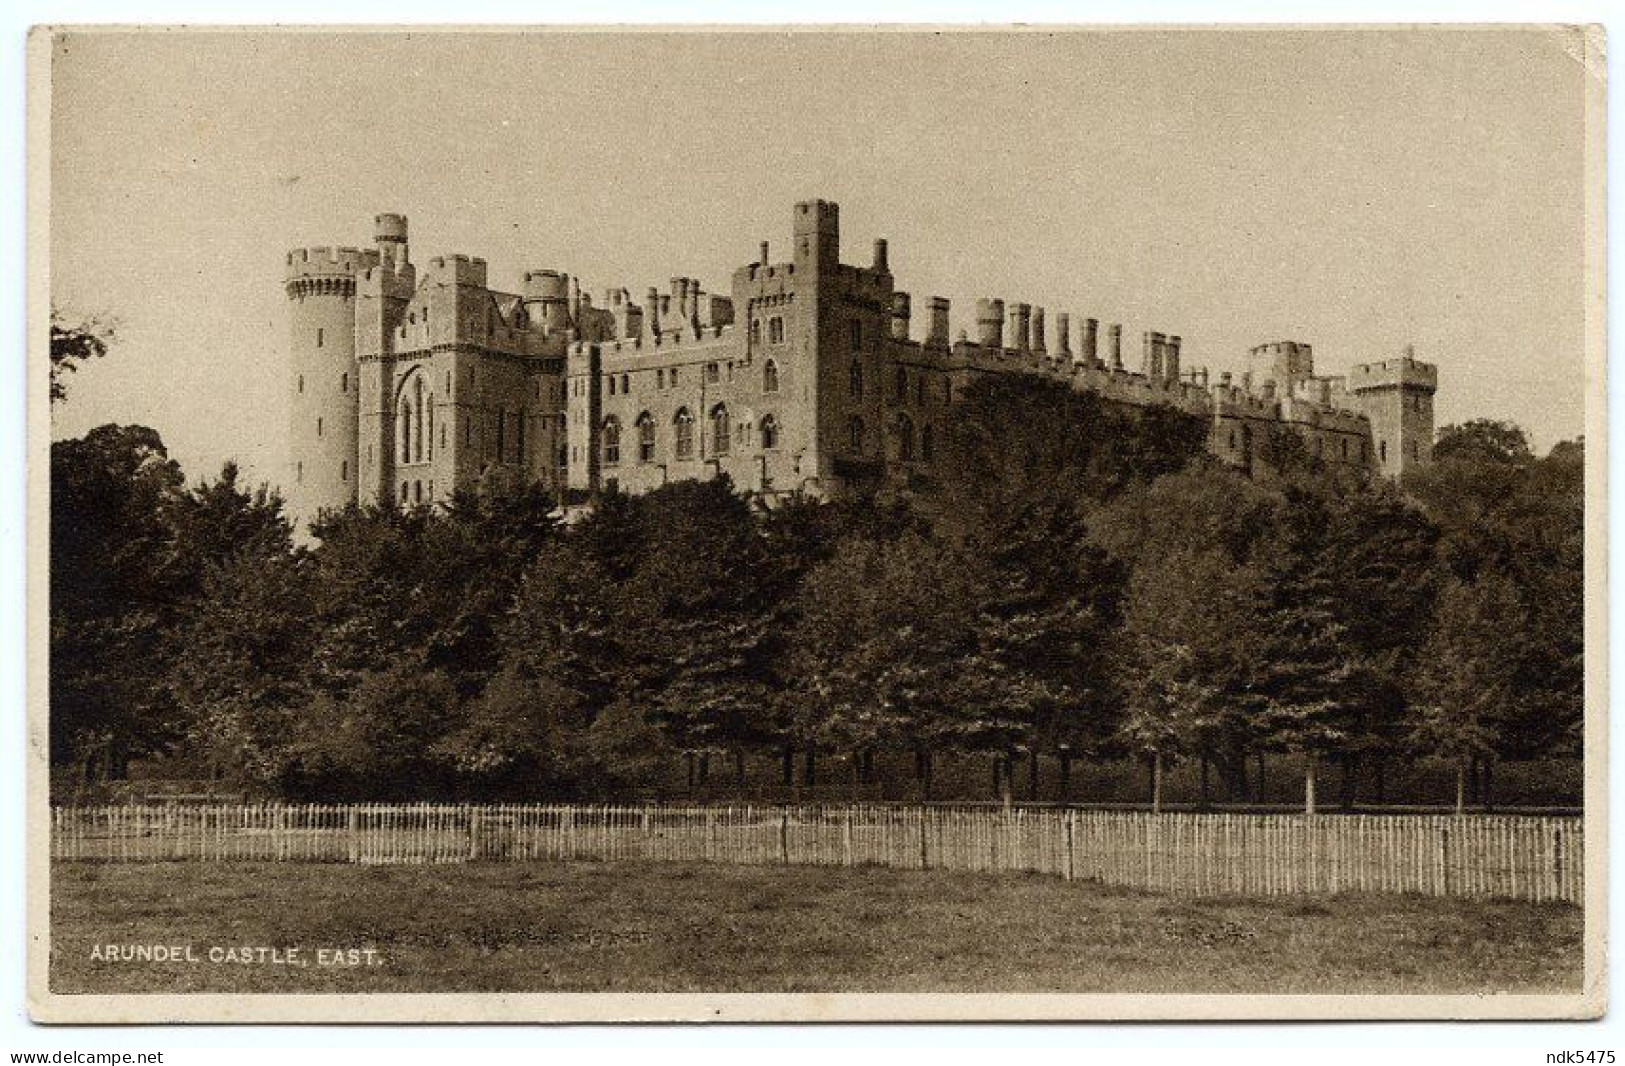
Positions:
{"x": 1081, "y": 581}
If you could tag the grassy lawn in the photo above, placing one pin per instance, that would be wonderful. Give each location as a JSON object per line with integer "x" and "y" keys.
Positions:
{"x": 691, "y": 928}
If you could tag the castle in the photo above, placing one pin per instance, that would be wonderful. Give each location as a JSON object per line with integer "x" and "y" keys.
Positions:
{"x": 807, "y": 377}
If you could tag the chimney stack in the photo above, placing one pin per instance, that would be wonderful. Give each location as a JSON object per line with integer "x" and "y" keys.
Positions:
{"x": 938, "y": 336}
{"x": 880, "y": 258}
{"x": 651, "y": 312}
{"x": 1063, "y": 334}
{"x": 1117, "y": 345}
{"x": 1171, "y": 358}
{"x": 1038, "y": 331}
{"x": 1020, "y": 320}
{"x": 1090, "y": 355}
{"x": 990, "y": 323}
{"x": 899, "y": 316}
{"x": 763, "y": 259}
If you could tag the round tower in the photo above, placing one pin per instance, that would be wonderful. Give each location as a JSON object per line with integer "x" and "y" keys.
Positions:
{"x": 323, "y": 387}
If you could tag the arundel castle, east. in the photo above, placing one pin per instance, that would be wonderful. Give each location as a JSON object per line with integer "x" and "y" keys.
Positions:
{"x": 809, "y": 375}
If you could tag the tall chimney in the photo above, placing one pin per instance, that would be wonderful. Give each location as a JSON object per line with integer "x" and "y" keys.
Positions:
{"x": 651, "y": 312}
{"x": 880, "y": 258}
{"x": 1038, "y": 331}
{"x": 1063, "y": 334}
{"x": 1145, "y": 353}
{"x": 1170, "y": 358}
{"x": 938, "y": 336}
{"x": 990, "y": 323}
{"x": 1020, "y": 324}
{"x": 1089, "y": 353}
{"x": 763, "y": 259}
{"x": 1117, "y": 345}
{"x": 899, "y": 316}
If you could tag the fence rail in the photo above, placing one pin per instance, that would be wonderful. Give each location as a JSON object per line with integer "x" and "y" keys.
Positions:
{"x": 1501, "y": 856}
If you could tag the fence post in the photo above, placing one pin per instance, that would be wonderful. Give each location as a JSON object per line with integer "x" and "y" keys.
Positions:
{"x": 784, "y": 835}
{"x": 846, "y": 838}
{"x": 473, "y": 832}
{"x": 924, "y": 858}
{"x": 354, "y": 834}
{"x": 1444, "y": 859}
{"x": 1557, "y": 860}
{"x": 1070, "y": 871}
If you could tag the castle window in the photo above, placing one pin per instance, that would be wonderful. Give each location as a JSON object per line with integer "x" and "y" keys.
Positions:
{"x": 926, "y": 448}
{"x": 660, "y": 377}
{"x": 770, "y": 376}
{"x": 770, "y": 432}
{"x": 417, "y": 421}
{"x": 1345, "y": 448}
{"x": 417, "y": 492}
{"x": 612, "y": 441}
{"x": 318, "y": 427}
{"x": 775, "y": 330}
{"x": 646, "y": 438}
{"x": 626, "y": 384}
{"x": 713, "y": 373}
{"x": 1232, "y": 438}
{"x": 519, "y": 438}
{"x": 755, "y": 331}
{"x": 564, "y": 457}
{"x": 301, "y": 383}
{"x": 919, "y": 390}
{"x": 612, "y": 384}
{"x": 900, "y": 386}
{"x": 854, "y": 380}
{"x": 344, "y": 382}
{"x": 405, "y": 420}
{"x": 502, "y": 436}
{"x": 320, "y": 336}
{"x": 448, "y": 381}
{"x": 442, "y": 434}
{"x": 856, "y": 330}
{"x": 674, "y": 377}
{"x": 1382, "y": 450}
{"x": 344, "y": 470}
{"x": 403, "y": 492}
{"x": 683, "y": 433}
{"x": 854, "y": 433}
{"x": 299, "y": 472}
{"x": 468, "y": 432}
{"x": 1416, "y": 450}
{"x": 720, "y": 437}
{"x": 905, "y": 439}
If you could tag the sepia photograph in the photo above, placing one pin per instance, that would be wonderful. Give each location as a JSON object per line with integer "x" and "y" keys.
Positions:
{"x": 816, "y": 523}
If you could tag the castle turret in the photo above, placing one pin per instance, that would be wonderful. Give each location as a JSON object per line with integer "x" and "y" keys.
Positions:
{"x": 1397, "y": 396}
{"x": 817, "y": 236}
{"x": 320, "y": 284}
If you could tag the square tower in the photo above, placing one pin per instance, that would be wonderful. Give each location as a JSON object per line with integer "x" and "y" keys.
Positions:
{"x": 1397, "y": 396}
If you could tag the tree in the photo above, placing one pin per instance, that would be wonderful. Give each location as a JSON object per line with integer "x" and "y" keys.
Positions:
{"x": 73, "y": 344}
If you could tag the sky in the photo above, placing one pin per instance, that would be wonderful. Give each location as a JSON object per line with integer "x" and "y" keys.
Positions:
{"x": 1356, "y": 190}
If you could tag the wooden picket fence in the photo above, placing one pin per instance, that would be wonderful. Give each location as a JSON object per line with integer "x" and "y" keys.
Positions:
{"x": 1501, "y": 856}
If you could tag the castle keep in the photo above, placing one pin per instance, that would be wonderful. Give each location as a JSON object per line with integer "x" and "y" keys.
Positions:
{"x": 810, "y": 375}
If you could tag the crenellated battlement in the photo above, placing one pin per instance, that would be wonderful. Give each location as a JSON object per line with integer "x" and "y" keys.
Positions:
{"x": 458, "y": 270}
{"x": 1405, "y": 371}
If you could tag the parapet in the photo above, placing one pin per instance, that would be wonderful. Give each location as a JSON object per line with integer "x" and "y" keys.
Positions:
{"x": 1405, "y": 371}
{"x": 324, "y": 261}
{"x": 460, "y": 269}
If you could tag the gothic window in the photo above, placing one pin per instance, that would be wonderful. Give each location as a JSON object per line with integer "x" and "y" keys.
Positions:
{"x": 926, "y": 442}
{"x": 428, "y": 431}
{"x": 770, "y": 432}
{"x": 755, "y": 332}
{"x": 900, "y": 386}
{"x": 905, "y": 439}
{"x": 775, "y": 330}
{"x": 417, "y": 420}
{"x": 612, "y": 441}
{"x": 344, "y": 382}
{"x": 683, "y": 433}
{"x": 405, "y": 420}
{"x": 720, "y": 436}
{"x": 612, "y": 384}
{"x": 626, "y": 384}
{"x": 646, "y": 438}
{"x": 417, "y": 492}
{"x": 856, "y": 330}
{"x": 854, "y": 433}
{"x": 854, "y": 380}
{"x": 770, "y": 376}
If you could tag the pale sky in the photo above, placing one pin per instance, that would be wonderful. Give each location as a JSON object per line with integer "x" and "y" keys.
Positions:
{"x": 1358, "y": 190}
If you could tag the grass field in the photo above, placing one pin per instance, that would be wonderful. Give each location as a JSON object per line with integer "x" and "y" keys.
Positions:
{"x": 691, "y": 928}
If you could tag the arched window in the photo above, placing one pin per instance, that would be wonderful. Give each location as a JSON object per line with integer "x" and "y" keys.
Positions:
{"x": 405, "y": 431}
{"x": 854, "y": 380}
{"x": 926, "y": 448}
{"x": 417, "y": 420}
{"x": 720, "y": 441}
{"x": 775, "y": 330}
{"x": 428, "y": 433}
{"x": 612, "y": 441}
{"x": 770, "y": 432}
{"x": 770, "y": 376}
{"x": 1382, "y": 450}
{"x": 646, "y": 438}
{"x": 683, "y": 434}
{"x": 854, "y": 433}
{"x": 905, "y": 439}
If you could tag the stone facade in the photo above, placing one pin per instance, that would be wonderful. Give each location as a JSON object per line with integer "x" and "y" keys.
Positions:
{"x": 807, "y": 377}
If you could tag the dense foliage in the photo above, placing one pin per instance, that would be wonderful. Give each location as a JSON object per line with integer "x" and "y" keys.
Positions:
{"x": 1084, "y": 579}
